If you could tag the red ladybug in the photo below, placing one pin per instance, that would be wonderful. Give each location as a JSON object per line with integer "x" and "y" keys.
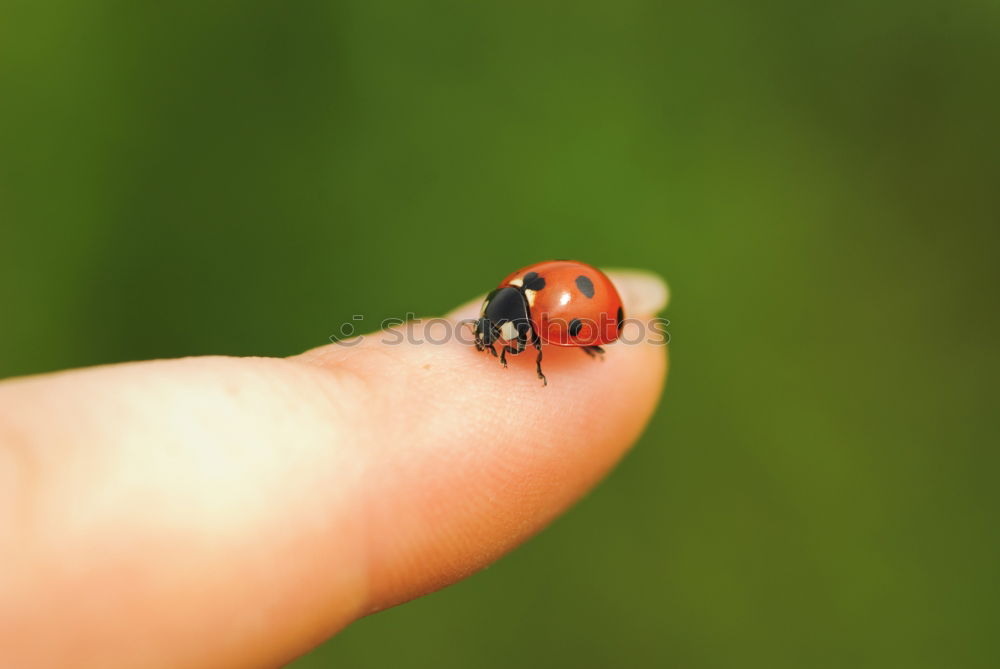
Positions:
{"x": 559, "y": 302}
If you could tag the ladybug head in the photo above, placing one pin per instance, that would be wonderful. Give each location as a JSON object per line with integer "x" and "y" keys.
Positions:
{"x": 504, "y": 316}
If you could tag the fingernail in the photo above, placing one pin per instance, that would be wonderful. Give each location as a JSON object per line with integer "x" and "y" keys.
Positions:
{"x": 642, "y": 292}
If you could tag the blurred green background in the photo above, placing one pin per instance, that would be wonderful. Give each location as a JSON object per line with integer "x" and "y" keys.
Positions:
{"x": 819, "y": 184}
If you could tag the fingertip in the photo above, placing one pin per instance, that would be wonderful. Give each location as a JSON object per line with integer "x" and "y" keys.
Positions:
{"x": 643, "y": 293}
{"x": 467, "y": 459}
{"x": 473, "y": 458}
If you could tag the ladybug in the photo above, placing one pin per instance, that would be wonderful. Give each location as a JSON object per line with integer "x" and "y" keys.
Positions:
{"x": 558, "y": 302}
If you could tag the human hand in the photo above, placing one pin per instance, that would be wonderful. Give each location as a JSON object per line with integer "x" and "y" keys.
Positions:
{"x": 220, "y": 511}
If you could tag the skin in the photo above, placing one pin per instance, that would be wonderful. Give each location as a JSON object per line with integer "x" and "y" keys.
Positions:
{"x": 236, "y": 512}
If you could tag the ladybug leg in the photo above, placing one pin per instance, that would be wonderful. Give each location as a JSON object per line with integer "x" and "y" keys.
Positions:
{"x": 538, "y": 361}
{"x": 492, "y": 349}
{"x": 513, "y": 350}
{"x": 593, "y": 351}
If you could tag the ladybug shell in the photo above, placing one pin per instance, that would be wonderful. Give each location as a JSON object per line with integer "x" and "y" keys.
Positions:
{"x": 571, "y": 303}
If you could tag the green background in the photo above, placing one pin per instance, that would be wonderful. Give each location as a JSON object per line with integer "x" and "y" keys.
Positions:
{"x": 818, "y": 182}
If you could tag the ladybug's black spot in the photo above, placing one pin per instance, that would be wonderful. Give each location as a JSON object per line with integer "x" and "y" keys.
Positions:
{"x": 575, "y": 326}
{"x": 621, "y": 317}
{"x": 585, "y": 285}
{"x": 532, "y": 281}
